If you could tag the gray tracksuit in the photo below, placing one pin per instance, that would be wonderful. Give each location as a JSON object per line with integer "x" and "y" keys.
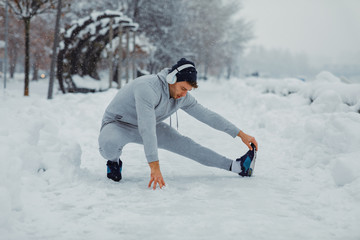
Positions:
{"x": 136, "y": 114}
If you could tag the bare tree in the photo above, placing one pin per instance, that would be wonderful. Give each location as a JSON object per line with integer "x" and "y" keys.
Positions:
{"x": 15, "y": 40}
{"x": 202, "y": 30}
{"x": 26, "y": 10}
{"x": 54, "y": 53}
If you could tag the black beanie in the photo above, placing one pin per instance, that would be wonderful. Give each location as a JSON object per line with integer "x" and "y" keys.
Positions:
{"x": 187, "y": 74}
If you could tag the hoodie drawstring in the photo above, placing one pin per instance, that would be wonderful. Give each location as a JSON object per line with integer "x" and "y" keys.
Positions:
{"x": 177, "y": 121}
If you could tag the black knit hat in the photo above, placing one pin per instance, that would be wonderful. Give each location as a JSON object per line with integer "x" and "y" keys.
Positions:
{"x": 187, "y": 74}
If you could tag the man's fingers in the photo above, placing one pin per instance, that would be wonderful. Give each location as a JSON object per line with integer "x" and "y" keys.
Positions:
{"x": 249, "y": 146}
{"x": 156, "y": 179}
{"x": 256, "y": 145}
{"x": 253, "y": 140}
{"x": 151, "y": 181}
{"x": 162, "y": 183}
{"x": 155, "y": 183}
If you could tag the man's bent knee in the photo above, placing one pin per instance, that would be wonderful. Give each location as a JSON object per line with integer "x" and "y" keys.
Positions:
{"x": 110, "y": 151}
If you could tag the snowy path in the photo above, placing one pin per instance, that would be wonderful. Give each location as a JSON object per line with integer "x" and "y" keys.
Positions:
{"x": 306, "y": 183}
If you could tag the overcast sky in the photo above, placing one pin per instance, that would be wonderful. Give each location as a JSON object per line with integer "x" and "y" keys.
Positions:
{"x": 326, "y": 30}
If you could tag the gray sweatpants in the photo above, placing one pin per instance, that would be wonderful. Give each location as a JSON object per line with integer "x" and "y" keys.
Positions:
{"x": 114, "y": 136}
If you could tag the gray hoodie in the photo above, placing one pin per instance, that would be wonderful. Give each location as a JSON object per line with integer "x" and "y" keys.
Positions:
{"x": 146, "y": 101}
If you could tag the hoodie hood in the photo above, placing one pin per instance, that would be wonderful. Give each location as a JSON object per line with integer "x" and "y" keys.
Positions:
{"x": 162, "y": 77}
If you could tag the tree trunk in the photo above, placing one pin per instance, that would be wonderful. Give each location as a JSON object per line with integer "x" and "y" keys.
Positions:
{"x": 127, "y": 54}
{"x": 12, "y": 70}
{"x": 119, "y": 73}
{"x": 13, "y": 61}
{"x": 110, "y": 52}
{"x": 27, "y": 55}
{"x": 54, "y": 53}
{"x": 229, "y": 71}
{"x": 133, "y": 56}
{"x": 136, "y": 10}
{"x": 35, "y": 72}
{"x": 59, "y": 73}
{"x": 205, "y": 69}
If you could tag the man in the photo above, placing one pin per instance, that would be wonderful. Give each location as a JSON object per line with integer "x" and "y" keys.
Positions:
{"x": 136, "y": 114}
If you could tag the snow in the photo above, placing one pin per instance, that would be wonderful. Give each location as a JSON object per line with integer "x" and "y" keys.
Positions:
{"x": 305, "y": 186}
{"x": 325, "y": 88}
{"x": 89, "y": 82}
{"x": 92, "y": 27}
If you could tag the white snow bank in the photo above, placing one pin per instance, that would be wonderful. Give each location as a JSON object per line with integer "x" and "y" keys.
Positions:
{"x": 325, "y": 82}
{"x": 326, "y": 77}
{"x": 90, "y": 83}
{"x": 326, "y": 91}
{"x": 344, "y": 169}
{"x": 34, "y": 140}
{"x": 320, "y": 120}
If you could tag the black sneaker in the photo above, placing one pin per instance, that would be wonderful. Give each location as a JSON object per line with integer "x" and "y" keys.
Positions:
{"x": 247, "y": 162}
{"x": 114, "y": 170}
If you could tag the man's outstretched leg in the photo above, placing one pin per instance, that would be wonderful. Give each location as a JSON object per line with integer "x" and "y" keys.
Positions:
{"x": 169, "y": 139}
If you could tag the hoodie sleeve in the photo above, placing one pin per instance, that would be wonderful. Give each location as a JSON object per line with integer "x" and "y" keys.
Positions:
{"x": 145, "y": 102}
{"x": 214, "y": 120}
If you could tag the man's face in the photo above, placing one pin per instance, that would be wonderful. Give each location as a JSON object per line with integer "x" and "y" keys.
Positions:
{"x": 179, "y": 89}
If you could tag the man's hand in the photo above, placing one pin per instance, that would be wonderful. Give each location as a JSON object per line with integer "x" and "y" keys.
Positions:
{"x": 155, "y": 176}
{"x": 247, "y": 139}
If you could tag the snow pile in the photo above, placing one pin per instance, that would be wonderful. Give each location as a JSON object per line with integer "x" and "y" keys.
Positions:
{"x": 320, "y": 117}
{"x": 326, "y": 91}
{"x": 90, "y": 83}
{"x": 324, "y": 115}
{"x": 329, "y": 91}
{"x": 33, "y": 141}
{"x": 89, "y": 24}
{"x": 277, "y": 86}
{"x": 53, "y": 184}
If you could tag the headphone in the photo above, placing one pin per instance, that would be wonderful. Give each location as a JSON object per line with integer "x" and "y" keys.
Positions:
{"x": 171, "y": 77}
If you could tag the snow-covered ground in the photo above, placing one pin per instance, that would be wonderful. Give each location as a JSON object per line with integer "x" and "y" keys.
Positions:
{"x": 306, "y": 183}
